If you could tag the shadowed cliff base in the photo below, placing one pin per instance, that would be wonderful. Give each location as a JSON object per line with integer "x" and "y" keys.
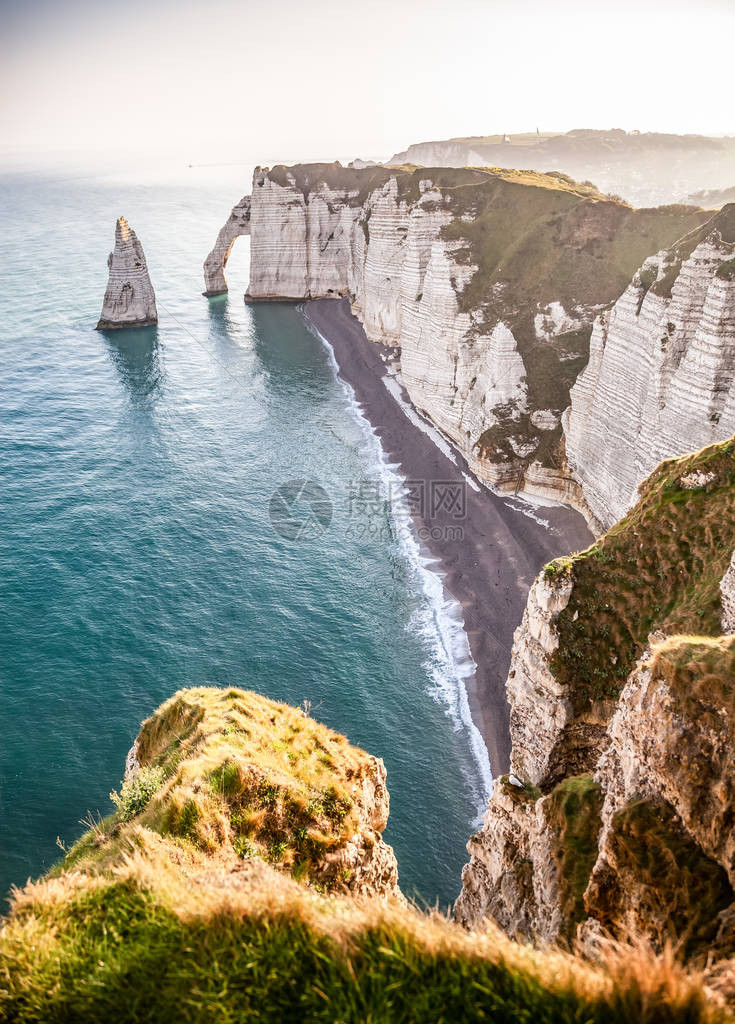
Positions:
{"x": 492, "y": 560}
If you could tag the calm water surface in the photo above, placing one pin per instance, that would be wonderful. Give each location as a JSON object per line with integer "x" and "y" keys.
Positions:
{"x": 137, "y": 551}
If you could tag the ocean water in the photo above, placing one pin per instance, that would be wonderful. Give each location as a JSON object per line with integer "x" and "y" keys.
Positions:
{"x": 138, "y": 548}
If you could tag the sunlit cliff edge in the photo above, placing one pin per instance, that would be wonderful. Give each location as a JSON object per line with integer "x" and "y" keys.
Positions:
{"x": 487, "y": 282}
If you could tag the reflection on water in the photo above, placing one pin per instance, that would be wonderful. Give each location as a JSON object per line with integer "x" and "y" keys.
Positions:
{"x": 134, "y": 353}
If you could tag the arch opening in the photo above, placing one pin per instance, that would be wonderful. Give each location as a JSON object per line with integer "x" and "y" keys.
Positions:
{"x": 237, "y": 224}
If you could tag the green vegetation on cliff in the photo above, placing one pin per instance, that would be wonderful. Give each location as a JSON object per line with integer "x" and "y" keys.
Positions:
{"x": 230, "y": 774}
{"x": 573, "y": 812}
{"x": 535, "y": 239}
{"x": 256, "y": 947}
{"x": 659, "y": 568}
{"x": 157, "y": 915}
{"x": 651, "y": 681}
{"x": 723, "y": 222}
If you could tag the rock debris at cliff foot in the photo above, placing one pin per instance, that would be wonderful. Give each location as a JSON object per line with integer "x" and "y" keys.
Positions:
{"x": 129, "y": 298}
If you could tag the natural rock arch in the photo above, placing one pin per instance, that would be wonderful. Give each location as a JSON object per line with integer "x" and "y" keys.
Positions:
{"x": 238, "y": 223}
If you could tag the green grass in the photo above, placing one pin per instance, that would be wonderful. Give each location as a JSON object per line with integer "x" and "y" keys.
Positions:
{"x": 227, "y": 772}
{"x": 723, "y": 221}
{"x": 573, "y": 813}
{"x": 726, "y": 270}
{"x": 659, "y": 568}
{"x": 119, "y": 952}
{"x": 193, "y": 910}
{"x": 700, "y": 672}
{"x": 541, "y": 238}
{"x": 535, "y": 238}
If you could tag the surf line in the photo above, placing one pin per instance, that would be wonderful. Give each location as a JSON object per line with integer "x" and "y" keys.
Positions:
{"x": 443, "y": 623}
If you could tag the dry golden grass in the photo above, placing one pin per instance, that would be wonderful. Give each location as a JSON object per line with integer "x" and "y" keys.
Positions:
{"x": 236, "y": 775}
{"x": 343, "y": 958}
{"x": 145, "y": 922}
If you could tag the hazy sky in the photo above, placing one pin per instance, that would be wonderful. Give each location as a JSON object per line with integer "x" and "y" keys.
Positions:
{"x": 230, "y": 81}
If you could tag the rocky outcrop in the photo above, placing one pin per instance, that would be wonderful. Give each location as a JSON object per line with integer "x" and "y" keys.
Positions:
{"x": 552, "y": 738}
{"x": 238, "y": 223}
{"x": 727, "y": 595}
{"x": 129, "y": 298}
{"x": 238, "y": 778}
{"x": 617, "y": 817}
{"x": 668, "y": 775}
{"x": 301, "y": 240}
{"x": 513, "y": 876}
{"x": 661, "y": 374}
{"x": 487, "y": 282}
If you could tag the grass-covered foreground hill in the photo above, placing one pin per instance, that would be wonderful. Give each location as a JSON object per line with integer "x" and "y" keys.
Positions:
{"x": 243, "y": 877}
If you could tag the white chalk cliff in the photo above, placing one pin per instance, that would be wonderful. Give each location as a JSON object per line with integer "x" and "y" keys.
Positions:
{"x": 388, "y": 255}
{"x": 661, "y": 374}
{"x": 394, "y": 243}
{"x": 129, "y": 298}
{"x": 442, "y": 266}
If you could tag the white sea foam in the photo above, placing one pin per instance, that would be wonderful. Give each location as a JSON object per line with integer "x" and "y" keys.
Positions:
{"x": 439, "y": 620}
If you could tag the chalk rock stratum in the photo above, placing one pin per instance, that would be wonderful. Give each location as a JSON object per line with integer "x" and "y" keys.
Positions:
{"x": 660, "y": 378}
{"x": 238, "y": 223}
{"x": 129, "y": 299}
{"x": 487, "y": 281}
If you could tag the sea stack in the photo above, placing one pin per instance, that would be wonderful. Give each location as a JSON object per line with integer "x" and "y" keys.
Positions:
{"x": 129, "y": 299}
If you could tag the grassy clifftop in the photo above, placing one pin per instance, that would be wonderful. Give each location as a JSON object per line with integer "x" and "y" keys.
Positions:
{"x": 144, "y": 947}
{"x": 162, "y": 913}
{"x": 227, "y": 776}
{"x": 659, "y": 568}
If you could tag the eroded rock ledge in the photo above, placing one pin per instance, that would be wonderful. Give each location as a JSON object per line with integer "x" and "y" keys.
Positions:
{"x": 217, "y": 777}
{"x": 617, "y": 817}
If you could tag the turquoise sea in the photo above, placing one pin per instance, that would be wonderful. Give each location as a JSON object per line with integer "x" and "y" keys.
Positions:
{"x": 138, "y": 554}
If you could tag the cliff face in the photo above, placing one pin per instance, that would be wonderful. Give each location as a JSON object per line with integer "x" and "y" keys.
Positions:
{"x": 617, "y": 818}
{"x": 129, "y": 299}
{"x": 668, "y": 778}
{"x": 661, "y": 375}
{"x": 488, "y": 281}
